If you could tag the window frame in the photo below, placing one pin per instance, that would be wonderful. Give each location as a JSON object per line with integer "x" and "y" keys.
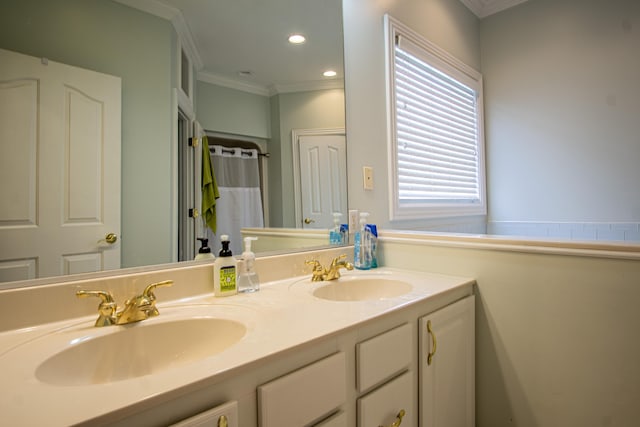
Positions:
{"x": 437, "y": 58}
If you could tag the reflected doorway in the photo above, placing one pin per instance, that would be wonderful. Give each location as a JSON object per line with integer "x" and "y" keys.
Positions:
{"x": 320, "y": 177}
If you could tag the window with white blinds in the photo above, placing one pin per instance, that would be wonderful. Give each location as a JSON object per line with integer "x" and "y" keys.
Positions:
{"x": 437, "y": 142}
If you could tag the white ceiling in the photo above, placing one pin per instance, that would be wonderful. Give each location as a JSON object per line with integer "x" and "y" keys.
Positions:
{"x": 484, "y": 8}
{"x": 226, "y": 37}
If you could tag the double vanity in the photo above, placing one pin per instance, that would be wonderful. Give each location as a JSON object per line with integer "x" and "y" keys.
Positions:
{"x": 383, "y": 347}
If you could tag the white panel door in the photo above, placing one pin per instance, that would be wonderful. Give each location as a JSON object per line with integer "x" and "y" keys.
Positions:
{"x": 59, "y": 168}
{"x": 323, "y": 179}
{"x": 447, "y": 366}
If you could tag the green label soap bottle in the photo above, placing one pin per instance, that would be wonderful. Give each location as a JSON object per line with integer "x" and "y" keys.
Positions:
{"x": 225, "y": 271}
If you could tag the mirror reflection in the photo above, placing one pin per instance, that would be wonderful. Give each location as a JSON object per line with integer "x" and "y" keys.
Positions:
{"x": 226, "y": 71}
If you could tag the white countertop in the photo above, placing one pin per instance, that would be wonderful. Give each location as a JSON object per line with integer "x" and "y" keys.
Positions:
{"x": 282, "y": 315}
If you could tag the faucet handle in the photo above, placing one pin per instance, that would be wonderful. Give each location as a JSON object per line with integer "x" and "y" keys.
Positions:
{"x": 148, "y": 291}
{"x": 148, "y": 298}
{"x": 105, "y": 296}
{"x": 314, "y": 262}
{"x": 318, "y": 272}
{"x": 107, "y": 307}
{"x": 339, "y": 258}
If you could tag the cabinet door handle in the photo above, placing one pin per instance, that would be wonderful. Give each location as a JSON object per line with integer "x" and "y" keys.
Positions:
{"x": 433, "y": 341}
{"x": 398, "y": 420}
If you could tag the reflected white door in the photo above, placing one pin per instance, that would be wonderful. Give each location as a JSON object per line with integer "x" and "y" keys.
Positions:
{"x": 59, "y": 168}
{"x": 323, "y": 178}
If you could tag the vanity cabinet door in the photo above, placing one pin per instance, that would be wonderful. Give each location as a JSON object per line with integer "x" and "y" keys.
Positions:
{"x": 383, "y": 406}
{"x": 447, "y": 366}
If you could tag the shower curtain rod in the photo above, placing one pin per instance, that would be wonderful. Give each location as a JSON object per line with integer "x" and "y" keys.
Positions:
{"x": 244, "y": 152}
{"x": 261, "y": 154}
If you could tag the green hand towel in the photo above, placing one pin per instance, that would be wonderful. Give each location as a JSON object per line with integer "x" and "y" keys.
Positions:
{"x": 209, "y": 187}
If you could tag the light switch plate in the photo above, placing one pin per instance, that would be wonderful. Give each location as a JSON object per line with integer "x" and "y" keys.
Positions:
{"x": 353, "y": 220}
{"x": 367, "y": 176}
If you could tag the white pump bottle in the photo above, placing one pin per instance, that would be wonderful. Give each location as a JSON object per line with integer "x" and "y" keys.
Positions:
{"x": 248, "y": 280}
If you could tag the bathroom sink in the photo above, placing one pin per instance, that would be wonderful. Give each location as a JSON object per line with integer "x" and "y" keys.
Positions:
{"x": 362, "y": 288}
{"x": 124, "y": 352}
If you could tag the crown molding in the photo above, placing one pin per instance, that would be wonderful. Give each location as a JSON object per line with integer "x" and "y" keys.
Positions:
{"x": 275, "y": 89}
{"x": 216, "y": 79}
{"x": 306, "y": 86}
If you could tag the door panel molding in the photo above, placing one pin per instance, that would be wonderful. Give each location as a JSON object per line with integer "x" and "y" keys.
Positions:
{"x": 296, "y": 135}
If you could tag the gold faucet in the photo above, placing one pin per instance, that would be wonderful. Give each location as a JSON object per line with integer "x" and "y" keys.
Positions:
{"x": 141, "y": 307}
{"x": 332, "y": 273}
{"x": 138, "y": 308}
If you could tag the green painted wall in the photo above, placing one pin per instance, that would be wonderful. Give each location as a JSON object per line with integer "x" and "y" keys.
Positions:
{"x": 561, "y": 111}
{"x": 318, "y": 109}
{"x": 227, "y": 110}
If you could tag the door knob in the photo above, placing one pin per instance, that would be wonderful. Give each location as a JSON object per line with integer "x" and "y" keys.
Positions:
{"x": 309, "y": 220}
{"x": 111, "y": 238}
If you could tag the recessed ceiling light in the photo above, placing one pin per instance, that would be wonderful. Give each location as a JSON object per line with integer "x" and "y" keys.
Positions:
{"x": 297, "y": 39}
{"x": 329, "y": 73}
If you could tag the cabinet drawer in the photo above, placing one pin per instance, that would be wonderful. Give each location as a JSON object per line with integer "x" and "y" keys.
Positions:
{"x": 337, "y": 420}
{"x": 213, "y": 417}
{"x": 382, "y": 406}
{"x": 305, "y": 395}
{"x": 383, "y": 356}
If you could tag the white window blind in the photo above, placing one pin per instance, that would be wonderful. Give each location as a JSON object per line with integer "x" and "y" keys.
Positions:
{"x": 437, "y": 144}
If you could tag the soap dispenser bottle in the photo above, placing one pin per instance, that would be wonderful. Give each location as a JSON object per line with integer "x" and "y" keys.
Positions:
{"x": 248, "y": 280}
{"x": 361, "y": 250}
{"x": 205, "y": 251}
{"x": 224, "y": 271}
{"x": 335, "y": 236}
{"x": 372, "y": 236}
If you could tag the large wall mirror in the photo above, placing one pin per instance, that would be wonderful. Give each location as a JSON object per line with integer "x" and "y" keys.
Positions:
{"x": 245, "y": 81}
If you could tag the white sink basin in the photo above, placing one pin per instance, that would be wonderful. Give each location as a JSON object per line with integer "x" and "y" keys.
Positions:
{"x": 362, "y": 288}
{"x": 139, "y": 349}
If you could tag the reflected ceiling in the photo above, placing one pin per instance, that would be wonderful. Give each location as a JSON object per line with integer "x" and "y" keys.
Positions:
{"x": 230, "y": 43}
{"x": 484, "y": 8}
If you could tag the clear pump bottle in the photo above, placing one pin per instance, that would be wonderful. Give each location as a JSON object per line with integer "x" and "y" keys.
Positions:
{"x": 248, "y": 280}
